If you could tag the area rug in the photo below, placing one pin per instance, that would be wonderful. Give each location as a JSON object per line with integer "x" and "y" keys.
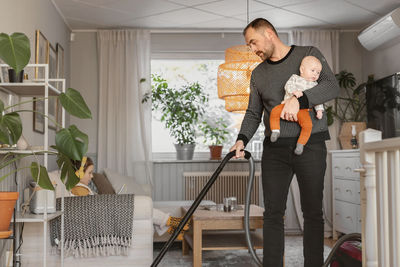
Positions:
{"x": 233, "y": 258}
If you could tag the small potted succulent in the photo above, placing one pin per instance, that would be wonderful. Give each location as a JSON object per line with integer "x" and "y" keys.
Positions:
{"x": 215, "y": 133}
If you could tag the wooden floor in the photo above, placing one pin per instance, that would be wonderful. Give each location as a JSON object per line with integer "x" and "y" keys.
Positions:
{"x": 329, "y": 242}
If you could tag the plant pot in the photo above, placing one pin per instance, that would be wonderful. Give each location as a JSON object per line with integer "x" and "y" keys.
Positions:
{"x": 215, "y": 152}
{"x": 7, "y": 203}
{"x": 184, "y": 151}
{"x": 12, "y": 76}
{"x": 345, "y": 133}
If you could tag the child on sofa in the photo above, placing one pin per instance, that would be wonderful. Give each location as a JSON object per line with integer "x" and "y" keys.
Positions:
{"x": 162, "y": 221}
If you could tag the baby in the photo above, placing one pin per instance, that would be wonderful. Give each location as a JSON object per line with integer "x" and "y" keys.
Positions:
{"x": 310, "y": 69}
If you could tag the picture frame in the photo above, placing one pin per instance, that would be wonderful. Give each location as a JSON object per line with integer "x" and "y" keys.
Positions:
{"x": 38, "y": 119}
{"x": 60, "y": 61}
{"x": 52, "y": 61}
{"x": 60, "y": 74}
{"x": 42, "y": 47}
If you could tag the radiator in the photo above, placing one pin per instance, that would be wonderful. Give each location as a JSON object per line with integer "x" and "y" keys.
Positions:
{"x": 228, "y": 184}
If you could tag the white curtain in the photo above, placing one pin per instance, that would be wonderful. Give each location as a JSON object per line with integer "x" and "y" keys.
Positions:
{"x": 124, "y": 137}
{"x": 328, "y": 43}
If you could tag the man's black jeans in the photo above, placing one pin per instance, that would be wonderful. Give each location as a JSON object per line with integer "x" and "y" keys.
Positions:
{"x": 279, "y": 163}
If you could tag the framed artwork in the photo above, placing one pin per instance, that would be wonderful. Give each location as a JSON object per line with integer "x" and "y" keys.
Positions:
{"x": 42, "y": 47}
{"x": 60, "y": 61}
{"x": 52, "y": 61}
{"x": 38, "y": 119}
{"x": 60, "y": 74}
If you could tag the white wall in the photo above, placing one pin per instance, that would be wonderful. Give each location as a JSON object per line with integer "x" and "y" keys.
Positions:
{"x": 84, "y": 78}
{"x": 382, "y": 61}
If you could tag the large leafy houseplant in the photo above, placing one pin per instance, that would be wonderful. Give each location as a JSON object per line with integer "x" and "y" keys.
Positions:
{"x": 180, "y": 108}
{"x": 70, "y": 143}
{"x": 350, "y": 105}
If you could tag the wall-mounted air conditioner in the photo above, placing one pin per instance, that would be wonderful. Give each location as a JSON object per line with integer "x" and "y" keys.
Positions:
{"x": 382, "y": 31}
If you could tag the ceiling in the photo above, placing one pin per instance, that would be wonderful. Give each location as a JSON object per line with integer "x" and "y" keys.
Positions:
{"x": 221, "y": 14}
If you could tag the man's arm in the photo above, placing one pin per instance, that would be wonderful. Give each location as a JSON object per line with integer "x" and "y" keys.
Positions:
{"x": 327, "y": 87}
{"x": 251, "y": 120}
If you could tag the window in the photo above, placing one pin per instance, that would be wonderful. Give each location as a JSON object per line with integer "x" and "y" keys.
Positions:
{"x": 178, "y": 73}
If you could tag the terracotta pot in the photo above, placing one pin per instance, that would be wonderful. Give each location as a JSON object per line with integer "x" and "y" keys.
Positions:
{"x": 215, "y": 152}
{"x": 7, "y": 203}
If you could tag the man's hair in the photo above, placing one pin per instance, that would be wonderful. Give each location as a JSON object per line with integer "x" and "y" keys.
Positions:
{"x": 260, "y": 23}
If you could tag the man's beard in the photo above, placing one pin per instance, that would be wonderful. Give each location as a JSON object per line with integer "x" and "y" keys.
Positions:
{"x": 266, "y": 54}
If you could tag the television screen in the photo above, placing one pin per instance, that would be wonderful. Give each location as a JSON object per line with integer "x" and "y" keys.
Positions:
{"x": 383, "y": 105}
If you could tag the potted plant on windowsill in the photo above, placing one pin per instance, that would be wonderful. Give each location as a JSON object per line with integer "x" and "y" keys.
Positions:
{"x": 70, "y": 143}
{"x": 215, "y": 134}
{"x": 349, "y": 107}
{"x": 180, "y": 111}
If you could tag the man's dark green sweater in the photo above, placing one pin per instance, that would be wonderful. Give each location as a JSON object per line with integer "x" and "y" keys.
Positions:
{"x": 267, "y": 90}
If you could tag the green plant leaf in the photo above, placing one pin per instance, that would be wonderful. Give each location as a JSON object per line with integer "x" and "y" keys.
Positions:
{"x": 1, "y": 107}
{"x": 74, "y": 104}
{"x": 15, "y": 50}
{"x": 4, "y": 136}
{"x": 42, "y": 178}
{"x": 72, "y": 142}
{"x": 67, "y": 171}
{"x": 12, "y": 122}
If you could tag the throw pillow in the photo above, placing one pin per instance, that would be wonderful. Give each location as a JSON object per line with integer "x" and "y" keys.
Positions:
{"x": 103, "y": 184}
{"x": 125, "y": 184}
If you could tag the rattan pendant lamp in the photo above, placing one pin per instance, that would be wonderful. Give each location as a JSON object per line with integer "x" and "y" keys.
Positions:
{"x": 233, "y": 78}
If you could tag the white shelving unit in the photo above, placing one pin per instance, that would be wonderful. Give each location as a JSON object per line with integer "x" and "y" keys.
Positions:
{"x": 36, "y": 88}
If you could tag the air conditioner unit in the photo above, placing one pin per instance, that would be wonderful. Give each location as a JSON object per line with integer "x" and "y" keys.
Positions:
{"x": 382, "y": 31}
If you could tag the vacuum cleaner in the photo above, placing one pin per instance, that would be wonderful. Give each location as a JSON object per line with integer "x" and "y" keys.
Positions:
{"x": 196, "y": 203}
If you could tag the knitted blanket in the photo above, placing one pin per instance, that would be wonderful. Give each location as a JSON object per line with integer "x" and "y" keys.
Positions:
{"x": 99, "y": 225}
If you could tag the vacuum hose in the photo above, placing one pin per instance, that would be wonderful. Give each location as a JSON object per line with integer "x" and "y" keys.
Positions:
{"x": 247, "y": 212}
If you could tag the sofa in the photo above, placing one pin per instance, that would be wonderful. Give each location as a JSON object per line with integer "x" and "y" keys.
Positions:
{"x": 140, "y": 252}
{"x": 112, "y": 182}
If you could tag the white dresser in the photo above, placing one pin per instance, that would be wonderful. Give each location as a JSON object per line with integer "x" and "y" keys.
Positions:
{"x": 345, "y": 192}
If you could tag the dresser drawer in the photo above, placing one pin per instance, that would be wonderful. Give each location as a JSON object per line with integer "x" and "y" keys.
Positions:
{"x": 346, "y": 220}
{"x": 347, "y": 190}
{"x": 343, "y": 168}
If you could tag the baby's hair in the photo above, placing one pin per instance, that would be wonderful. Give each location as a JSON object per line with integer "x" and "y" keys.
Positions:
{"x": 77, "y": 163}
{"x": 310, "y": 59}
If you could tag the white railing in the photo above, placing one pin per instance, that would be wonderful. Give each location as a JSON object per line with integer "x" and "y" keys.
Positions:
{"x": 380, "y": 199}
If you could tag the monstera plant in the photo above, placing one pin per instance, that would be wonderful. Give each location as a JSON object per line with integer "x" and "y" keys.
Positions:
{"x": 15, "y": 51}
{"x": 70, "y": 143}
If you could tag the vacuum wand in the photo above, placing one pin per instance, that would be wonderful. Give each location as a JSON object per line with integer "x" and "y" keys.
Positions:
{"x": 194, "y": 206}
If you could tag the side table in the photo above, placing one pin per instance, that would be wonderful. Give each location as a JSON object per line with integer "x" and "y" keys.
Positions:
{"x": 203, "y": 220}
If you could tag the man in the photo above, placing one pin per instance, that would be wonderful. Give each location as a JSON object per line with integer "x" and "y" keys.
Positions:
{"x": 279, "y": 162}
